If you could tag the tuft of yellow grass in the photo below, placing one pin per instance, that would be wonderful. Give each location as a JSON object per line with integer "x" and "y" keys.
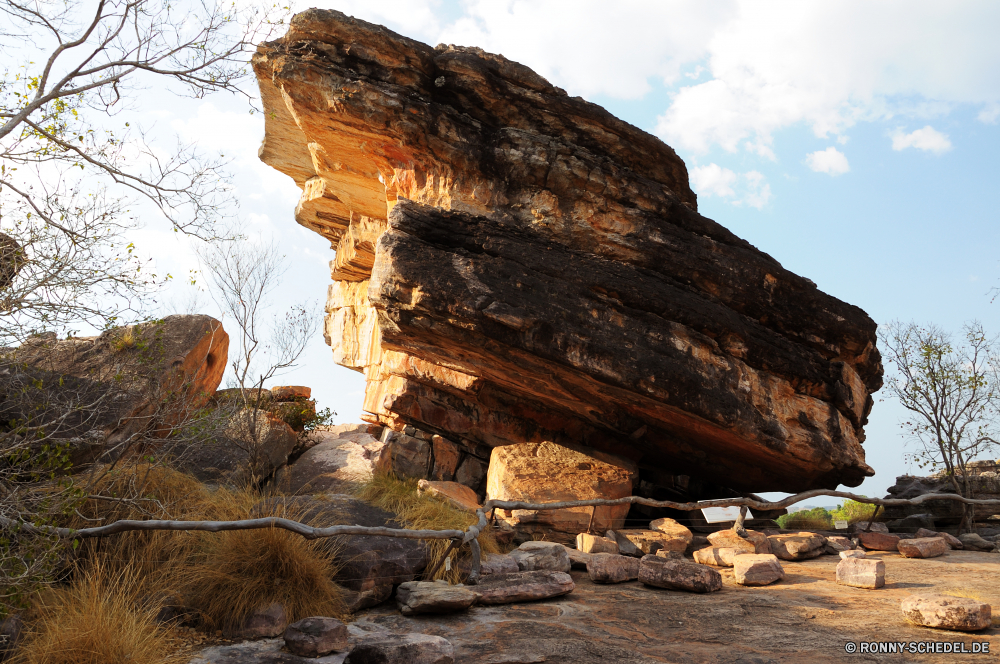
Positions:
{"x": 127, "y": 338}
{"x": 97, "y": 620}
{"x": 224, "y": 576}
{"x": 424, "y": 512}
{"x": 233, "y": 573}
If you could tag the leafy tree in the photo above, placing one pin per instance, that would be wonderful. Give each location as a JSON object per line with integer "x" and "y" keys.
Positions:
{"x": 68, "y": 180}
{"x": 952, "y": 391}
{"x": 72, "y": 172}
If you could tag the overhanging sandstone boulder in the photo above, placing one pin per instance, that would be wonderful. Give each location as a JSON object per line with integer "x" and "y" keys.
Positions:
{"x": 514, "y": 265}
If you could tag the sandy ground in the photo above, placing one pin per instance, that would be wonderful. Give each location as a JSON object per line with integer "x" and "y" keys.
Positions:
{"x": 806, "y": 617}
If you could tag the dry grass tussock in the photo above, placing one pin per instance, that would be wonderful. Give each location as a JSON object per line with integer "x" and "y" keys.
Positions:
{"x": 223, "y": 576}
{"x": 423, "y": 512}
{"x": 96, "y": 620}
{"x": 232, "y": 573}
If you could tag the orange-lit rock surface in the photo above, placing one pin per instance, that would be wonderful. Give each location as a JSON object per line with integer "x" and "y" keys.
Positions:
{"x": 516, "y": 265}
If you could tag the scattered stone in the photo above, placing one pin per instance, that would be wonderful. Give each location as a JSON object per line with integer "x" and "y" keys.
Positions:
{"x": 755, "y": 542}
{"x": 316, "y": 636}
{"x": 446, "y": 459}
{"x": 758, "y": 569}
{"x": 974, "y": 542}
{"x": 404, "y": 456}
{"x": 952, "y": 541}
{"x": 670, "y": 555}
{"x": 836, "y": 544}
{"x": 401, "y": 649}
{"x": 453, "y": 493}
{"x": 11, "y": 634}
{"x": 879, "y": 541}
{"x": 522, "y": 587}
{"x": 595, "y": 544}
{"x": 266, "y": 651}
{"x": 946, "y": 612}
{"x": 861, "y": 573}
{"x": 854, "y": 553}
{"x": 697, "y": 542}
{"x": 612, "y": 568}
{"x": 923, "y": 547}
{"x": 625, "y": 546}
{"x": 577, "y": 559}
{"x": 336, "y": 462}
{"x": 532, "y": 556}
{"x": 415, "y": 597}
{"x": 672, "y": 528}
{"x": 498, "y": 563}
{"x": 169, "y": 606}
{"x": 678, "y": 575}
{"x": 860, "y": 526}
{"x": 290, "y": 392}
{"x": 227, "y": 458}
{"x": 471, "y": 472}
{"x": 569, "y": 474}
{"x": 718, "y": 556}
{"x": 797, "y": 546}
{"x": 265, "y": 622}
{"x": 651, "y": 541}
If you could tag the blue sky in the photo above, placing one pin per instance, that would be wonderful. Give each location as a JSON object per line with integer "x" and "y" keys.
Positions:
{"x": 855, "y": 142}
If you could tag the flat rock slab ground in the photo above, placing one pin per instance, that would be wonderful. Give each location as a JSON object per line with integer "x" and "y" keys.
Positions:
{"x": 805, "y": 617}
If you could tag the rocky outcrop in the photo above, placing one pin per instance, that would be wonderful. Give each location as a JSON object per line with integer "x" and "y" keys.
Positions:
{"x": 102, "y": 393}
{"x": 984, "y": 478}
{"x": 514, "y": 264}
{"x": 252, "y": 446}
{"x": 338, "y": 459}
{"x": 413, "y": 453}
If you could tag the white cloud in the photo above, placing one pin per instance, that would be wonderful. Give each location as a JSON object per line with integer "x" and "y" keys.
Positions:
{"x": 758, "y": 191}
{"x": 416, "y": 19}
{"x": 989, "y": 114}
{"x": 830, "y": 161}
{"x": 830, "y": 65}
{"x": 596, "y": 47}
{"x": 712, "y": 180}
{"x": 928, "y": 139}
{"x": 750, "y": 188}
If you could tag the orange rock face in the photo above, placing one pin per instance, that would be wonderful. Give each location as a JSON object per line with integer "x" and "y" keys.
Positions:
{"x": 516, "y": 265}
{"x": 544, "y": 473}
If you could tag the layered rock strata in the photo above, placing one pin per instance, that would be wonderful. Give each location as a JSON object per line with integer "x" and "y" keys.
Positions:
{"x": 984, "y": 482}
{"x": 516, "y": 265}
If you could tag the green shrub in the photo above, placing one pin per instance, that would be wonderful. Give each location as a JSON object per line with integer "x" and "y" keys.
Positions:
{"x": 815, "y": 519}
{"x": 852, "y": 511}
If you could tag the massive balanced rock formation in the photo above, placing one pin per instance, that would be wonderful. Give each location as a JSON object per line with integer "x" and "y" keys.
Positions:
{"x": 514, "y": 264}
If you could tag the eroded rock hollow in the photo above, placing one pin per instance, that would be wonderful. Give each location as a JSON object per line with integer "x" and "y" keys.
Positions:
{"x": 517, "y": 265}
